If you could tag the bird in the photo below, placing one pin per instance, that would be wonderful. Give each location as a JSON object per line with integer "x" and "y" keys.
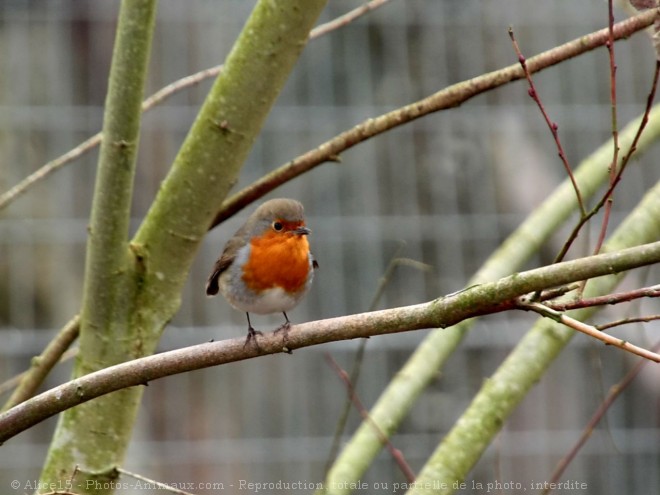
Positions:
{"x": 267, "y": 266}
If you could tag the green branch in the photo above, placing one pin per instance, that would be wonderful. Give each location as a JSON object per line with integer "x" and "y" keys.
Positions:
{"x": 133, "y": 289}
{"x": 430, "y": 356}
{"x": 95, "y": 437}
{"x": 524, "y": 367}
{"x": 212, "y": 154}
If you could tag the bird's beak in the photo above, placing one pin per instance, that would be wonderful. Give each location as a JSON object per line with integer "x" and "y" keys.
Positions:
{"x": 301, "y": 231}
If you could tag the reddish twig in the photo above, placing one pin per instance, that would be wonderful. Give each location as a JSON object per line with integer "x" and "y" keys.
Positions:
{"x": 624, "y": 163}
{"x": 449, "y": 97}
{"x": 554, "y": 128}
{"x": 364, "y": 413}
{"x": 653, "y": 291}
{"x": 615, "y": 129}
{"x": 359, "y": 355}
{"x": 627, "y": 321}
{"x": 614, "y": 393}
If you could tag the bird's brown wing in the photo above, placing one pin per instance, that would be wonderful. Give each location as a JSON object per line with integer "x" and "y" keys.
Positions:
{"x": 223, "y": 262}
{"x": 221, "y": 265}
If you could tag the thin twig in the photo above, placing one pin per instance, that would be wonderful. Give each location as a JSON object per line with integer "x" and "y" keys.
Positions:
{"x": 653, "y": 291}
{"x": 396, "y": 454}
{"x": 345, "y": 19}
{"x": 614, "y": 393}
{"x": 32, "y": 378}
{"x": 624, "y": 163}
{"x": 160, "y": 96}
{"x": 444, "y": 99}
{"x": 359, "y": 355}
{"x": 627, "y": 321}
{"x": 554, "y": 128}
{"x": 550, "y": 294}
{"x": 356, "y": 368}
{"x": 589, "y": 330}
{"x": 615, "y": 129}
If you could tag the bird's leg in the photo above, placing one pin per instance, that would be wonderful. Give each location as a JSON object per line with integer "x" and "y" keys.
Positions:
{"x": 284, "y": 328}
{"x": 252, "y": 333}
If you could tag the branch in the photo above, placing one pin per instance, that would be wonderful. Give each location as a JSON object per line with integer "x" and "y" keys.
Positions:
{"x": 152, "y": 483}
{"x": 364, "y": 414}
{"x": 653, "y": 291}
{"x": 475, "y": 301}
{"x": 32, "y": 379}
{"x": 628, "y": 321}
{"x": 615, "y": 129}
{"x": 106, "y": 337}
{"x": 624, "y": 163}
{"x": 614, "y": 393}
{"x": 428, "y": 359}
{"x": 455, "y": 93}
{"x": 554, "y": 128}
{"x": 449, "y": 97}
{"x": 41, "y": 366}
{"x": 589, "y": 330}
{"x": 106, "y": 260}
{"x": 503, "y": 391}
{"x": 162, "y": 95}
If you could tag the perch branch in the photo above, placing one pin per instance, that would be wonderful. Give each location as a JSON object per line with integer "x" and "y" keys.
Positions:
{"x": 477, "y": 300}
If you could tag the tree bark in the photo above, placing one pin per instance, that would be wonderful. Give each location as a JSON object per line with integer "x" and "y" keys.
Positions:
{"x": 132, "y": 289}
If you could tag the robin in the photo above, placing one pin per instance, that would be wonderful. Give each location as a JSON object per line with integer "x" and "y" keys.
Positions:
{"x": 267, "y": 266}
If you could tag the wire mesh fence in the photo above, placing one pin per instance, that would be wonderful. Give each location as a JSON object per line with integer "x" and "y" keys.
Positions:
{"x": 448, "y": 188}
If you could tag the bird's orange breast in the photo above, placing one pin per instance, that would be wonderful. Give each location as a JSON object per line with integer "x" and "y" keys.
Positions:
{"x": 277, "y": 260}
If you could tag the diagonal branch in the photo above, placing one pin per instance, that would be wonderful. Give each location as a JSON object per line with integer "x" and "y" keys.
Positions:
{"x": 45, "y": 362}
{"x": 614, "y": 393}
{"x": 449, "y": 97}
{"x": 160, "y": 96}
{"x": 554, "y": 128}
{"x": 364, "y": 413}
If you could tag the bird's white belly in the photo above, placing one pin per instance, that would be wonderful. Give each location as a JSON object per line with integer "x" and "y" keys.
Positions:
{"x": 274, "y": 300}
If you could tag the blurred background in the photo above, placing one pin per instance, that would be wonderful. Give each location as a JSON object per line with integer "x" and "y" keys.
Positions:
{"x": 446, "y": 190}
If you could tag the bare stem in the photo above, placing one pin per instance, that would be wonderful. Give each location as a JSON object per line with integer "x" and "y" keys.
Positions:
{"x": 364, "y": 413}
{"x": 624, "y": 163}
{"x": 32, "y": 379}
{"x": 160, "y": 96}
{"x": 554, "y": 128}
{"x": 653, "y": 291}
{"x": 614, "y": 393}
{"x": 589, "y": 330}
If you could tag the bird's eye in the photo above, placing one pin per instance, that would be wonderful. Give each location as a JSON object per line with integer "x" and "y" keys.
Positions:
{"x": 277, "y": 226}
